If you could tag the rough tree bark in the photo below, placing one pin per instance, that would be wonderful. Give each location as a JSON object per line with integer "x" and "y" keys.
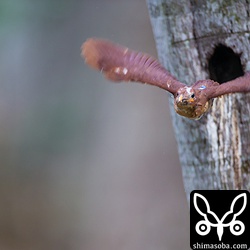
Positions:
{"x": 214, "y": 151}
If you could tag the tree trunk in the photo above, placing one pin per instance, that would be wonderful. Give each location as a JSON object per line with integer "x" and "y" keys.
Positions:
{"x": 214, "y": 151}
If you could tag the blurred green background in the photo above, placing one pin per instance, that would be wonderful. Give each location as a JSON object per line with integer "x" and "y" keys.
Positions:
{"x": 85, "y": 163}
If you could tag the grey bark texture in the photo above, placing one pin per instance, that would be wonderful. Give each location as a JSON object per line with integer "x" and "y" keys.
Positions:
{"x": 215, "y": 151}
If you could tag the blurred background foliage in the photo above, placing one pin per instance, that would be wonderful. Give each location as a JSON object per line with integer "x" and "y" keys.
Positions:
{"x": 85, "y": 164}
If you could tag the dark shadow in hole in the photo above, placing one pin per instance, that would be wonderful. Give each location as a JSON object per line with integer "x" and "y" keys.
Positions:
{"x": 224, "y": 65}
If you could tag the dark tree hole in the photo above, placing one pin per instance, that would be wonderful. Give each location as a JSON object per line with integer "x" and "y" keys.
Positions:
{"x": 224, "y": 65}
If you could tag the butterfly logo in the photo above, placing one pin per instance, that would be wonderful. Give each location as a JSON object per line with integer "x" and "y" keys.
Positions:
{"x": 236, "y": 227}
